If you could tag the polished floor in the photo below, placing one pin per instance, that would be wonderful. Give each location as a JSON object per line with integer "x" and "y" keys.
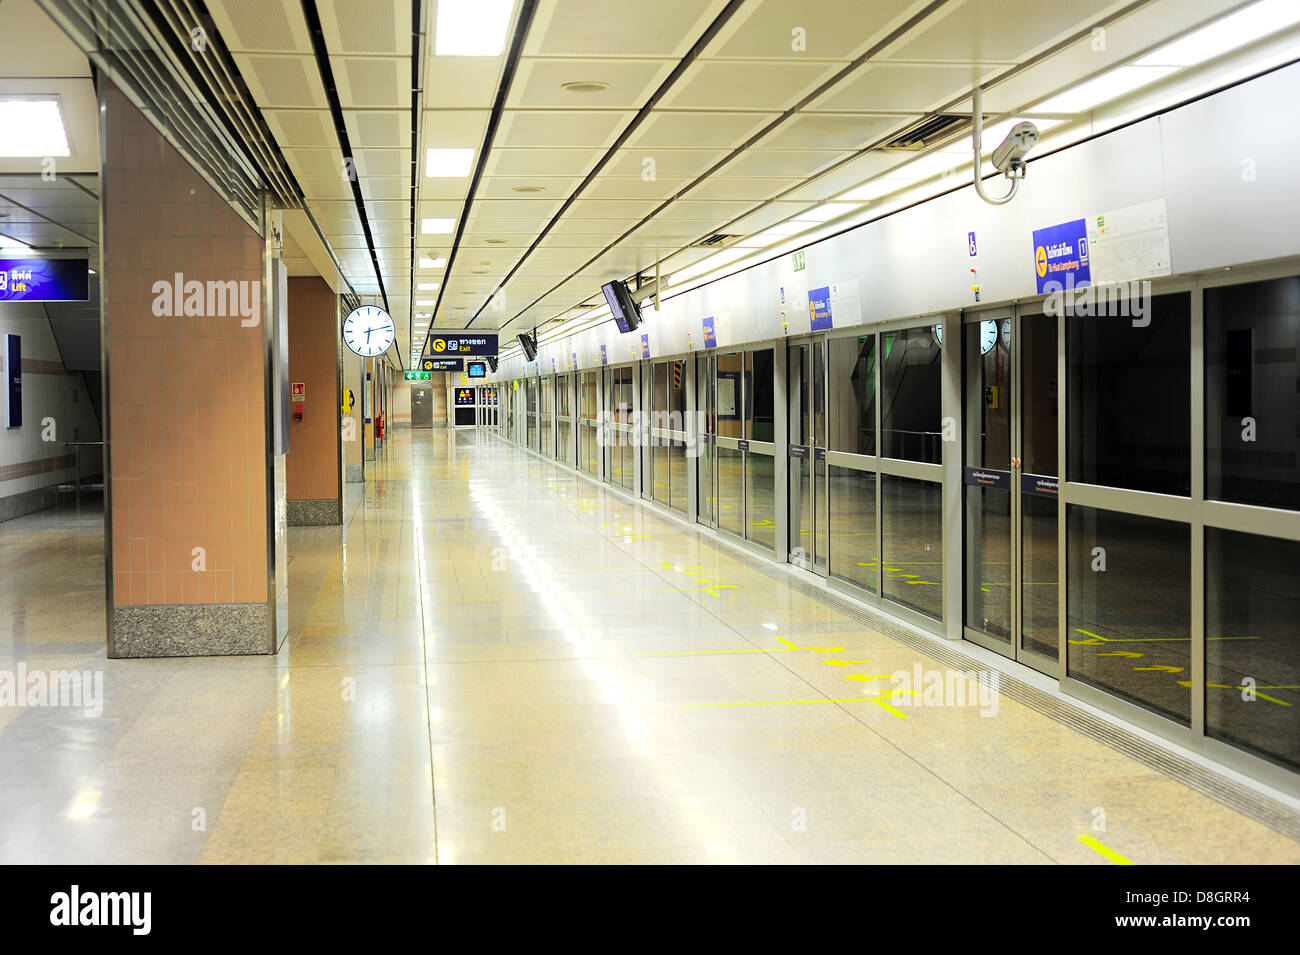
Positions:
{"x": 495, "y": 660}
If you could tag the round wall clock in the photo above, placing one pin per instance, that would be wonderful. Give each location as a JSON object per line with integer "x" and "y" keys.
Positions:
{"x": 368, "y": 331}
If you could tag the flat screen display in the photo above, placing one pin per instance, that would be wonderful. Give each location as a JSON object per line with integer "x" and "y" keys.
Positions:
{"x": 477, "y": 369}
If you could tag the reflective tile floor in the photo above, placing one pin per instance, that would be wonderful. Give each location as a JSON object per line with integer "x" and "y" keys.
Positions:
{"x": 497, "y": 661}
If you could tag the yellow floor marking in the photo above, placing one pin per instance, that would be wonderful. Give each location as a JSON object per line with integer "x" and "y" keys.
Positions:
{"x": 1108, "y": 852}
{"x": 691, "y": 653}
{"x": 1163, "y": 668}
{"x": 841, "y": 663}
{"x": 1096, "y": 637}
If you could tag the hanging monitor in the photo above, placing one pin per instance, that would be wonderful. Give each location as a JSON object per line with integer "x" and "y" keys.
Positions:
{"x": 477, "y": 369}
{"x": 529, "y": 345}
{"x": 621, "y": 305}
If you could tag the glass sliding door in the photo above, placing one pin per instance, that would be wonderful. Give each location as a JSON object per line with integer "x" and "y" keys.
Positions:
{"x": 852, "y": 522}
{"x": 1011, "y": 484}
{"x": 706, "y": 440}
{"x": 806, "y": 451}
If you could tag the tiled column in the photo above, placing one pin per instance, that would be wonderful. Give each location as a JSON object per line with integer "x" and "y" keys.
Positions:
{"x": 191, "y": 471}
{"x": 313, "y": 463}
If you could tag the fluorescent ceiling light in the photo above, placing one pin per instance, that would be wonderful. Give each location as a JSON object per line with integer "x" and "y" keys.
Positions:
{"x": 1237, "y": 29}
{"x": 1102, "y": 89}
{"x": 427, "y": 287}
{"x": 472, "y": 27}
{"x": 448, "y": 163}
{"x": 875, "y": 189}
{"x": 32, "y": 128}
{"x": 8, "y": 242}
{"x": 430, "y": 263}
{"x": 437, "y": 226}
{"x": 424, "y": 301}
{"x": 825, "y": 212}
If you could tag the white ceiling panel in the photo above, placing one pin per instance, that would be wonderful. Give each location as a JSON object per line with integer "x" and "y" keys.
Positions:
{"x": 781, "y": 163}
{"x": 837, "y": 131}
{"x": 372, "y": 188}
{"x": 282, "y": 81}
{"x": 751, "y": 189}
{"x": 368, "y": 82}
{"x": 539, "y": 83}
{"x": 455, "y": 128}
{"x": 686, "y": 130}
{"x": 541, "y": 162}
{"x": 665, "y": 29}
{"x": 326, "y": 187}
{"x": 461, "y": 82}
{"x": 541, "y": 208}
{"x": 567, "y": 129}
{"x": 618, "y": 187}
{"x": 742, "y": 84}
{"x": 504, "y": 187}
{"x": 367, "y": 26}
{"x": 905, "y": 88}
{"x": 262, "y": 26}
{"x": 832, "y": 29}
{"x": 1006, "y": 31}
{"x": 378, "y": 128}
{"x": 309, "y": 128}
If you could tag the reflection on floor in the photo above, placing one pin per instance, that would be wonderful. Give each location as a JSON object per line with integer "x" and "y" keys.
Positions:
{"x": 498, "y": 661}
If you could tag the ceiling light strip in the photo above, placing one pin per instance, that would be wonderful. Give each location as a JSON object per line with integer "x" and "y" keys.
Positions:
{"x": 417, "y": 102}
{"x": 321, "y": 51}
{"x": 641, "y": 116}
{"x": 526, "y": 12}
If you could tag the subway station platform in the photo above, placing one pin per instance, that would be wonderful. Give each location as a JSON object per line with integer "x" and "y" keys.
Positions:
{"x": 497, "y": 660}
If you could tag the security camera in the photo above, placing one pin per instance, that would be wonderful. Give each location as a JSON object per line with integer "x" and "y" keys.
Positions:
{"x": 1009, "y": 158}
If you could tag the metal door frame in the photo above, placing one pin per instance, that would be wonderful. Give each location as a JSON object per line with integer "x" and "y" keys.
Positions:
{"x": 819, "y": 492}
{"x": 1016, "y": 577}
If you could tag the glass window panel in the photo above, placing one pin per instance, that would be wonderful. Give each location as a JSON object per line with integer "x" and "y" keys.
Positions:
{"x": 1130, "y": 415}
{"x": 678, "y": 482}
{"x": 730, "y": 396}
{"x": 1252, "y": 393}
{"x": 1038, "y": 393}
{"x": 760, "y": 496}
{"x": 853, "y": 394}
{"x": 911, "y": 416}
{"x": 1040, "y": 597}
{"x": 760, "y": 386}
{"x": 564, "y": 440}
{"x": 1129, "y": 607}
{"x": 854, "y": 554}
{"x": 912, "y": 540}
{"x": 1252, "y": 632}
{"x": 731, "y": 491}
{"x": 564, "y": 393}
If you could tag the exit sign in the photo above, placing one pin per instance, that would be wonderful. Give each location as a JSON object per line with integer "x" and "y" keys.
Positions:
{"x": 418, "y": 375}
{"x": 798, "y": 261}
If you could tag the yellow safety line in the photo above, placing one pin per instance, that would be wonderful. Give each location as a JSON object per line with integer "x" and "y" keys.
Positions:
{"x": 824, "y": 699}
{"x": 1108, "y": 852}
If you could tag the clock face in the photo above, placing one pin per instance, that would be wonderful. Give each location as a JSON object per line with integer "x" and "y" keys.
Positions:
{"x": 368, "y": 331}
{"x": 988, "y": 336}
{"x": 1006, "y": 334}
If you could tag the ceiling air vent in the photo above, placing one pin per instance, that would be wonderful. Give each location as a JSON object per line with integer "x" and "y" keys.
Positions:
{"x": 928, "y": 132}
{"x": 716, "y": 241}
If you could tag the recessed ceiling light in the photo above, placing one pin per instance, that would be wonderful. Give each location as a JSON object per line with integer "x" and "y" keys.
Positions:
{"x": 530, "y": 189}
{"x": 32, "y": 128}
{"x": 427, "y": 287}
{"x": 584, "y": 86}
{"x": 437, "y": 226}
{"x": 472, "y": 27}
{"x": 495, "y": 241}
{"x": 448, "y": 163}
{"x": 427, "y": 262}
{"x": 478, "y": 272}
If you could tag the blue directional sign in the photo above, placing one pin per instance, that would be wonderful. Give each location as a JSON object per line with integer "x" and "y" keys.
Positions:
{"x": 1061, "y": 256}
{"x": 819, "y": 308}
{"x": 44, "y": 280}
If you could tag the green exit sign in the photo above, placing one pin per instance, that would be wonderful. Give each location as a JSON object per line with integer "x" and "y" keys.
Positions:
{"x": 418, "y": 375}
{"x": 798, "y": 261}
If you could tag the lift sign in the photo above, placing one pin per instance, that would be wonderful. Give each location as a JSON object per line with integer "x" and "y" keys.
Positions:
{"x": 1061, "y": 256}
{"x": 44, "y": 280}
